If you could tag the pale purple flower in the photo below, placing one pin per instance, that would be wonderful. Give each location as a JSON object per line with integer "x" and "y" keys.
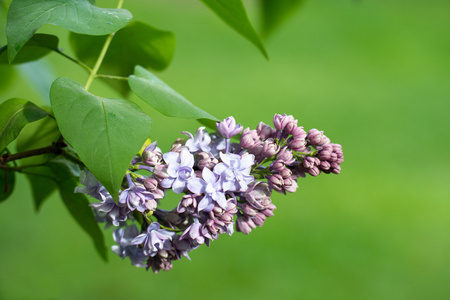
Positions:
{"x": 199, "y": 142}
{"x": 194, "y": 233}
{"x": 136, "y": 197}
{"x": 218, "y": 144}
{"x": 154, "y": 240}
{"x": 108, "y": 208}
{"x": 188, "y": 204}
{"x": 92, "y": 186}
{"x": 179, "y": 170}
{"x": 228, "y": 127}
{"x": 151, "y": 184}
{"x": 234, "y": 171}
{"x": 152, "y": 155}
{"x": 123, "y": 238}
{"x": 211, "y": 187}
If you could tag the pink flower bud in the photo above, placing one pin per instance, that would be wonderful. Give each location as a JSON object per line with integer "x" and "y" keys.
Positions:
{"x": 265, "y": 131}
{"x": 297, "y": 144}
{"x": 259, "y": 219}
{"x": 249, "y": 138}
{"x": 269, "y": 148}
{"x": 286, "y": 155}
{"x": 278, "y": 166}
{"x": 248, "y": 210}
{"x": 280, "y": 121}
{"x": 290, "y": 185}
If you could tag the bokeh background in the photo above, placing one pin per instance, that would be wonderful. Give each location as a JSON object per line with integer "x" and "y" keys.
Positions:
{"x": 374, "y": 75}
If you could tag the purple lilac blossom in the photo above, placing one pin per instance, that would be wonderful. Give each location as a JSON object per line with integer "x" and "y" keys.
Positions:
{"x": 234, "y": 171}
{"x": 152, "y": 155}
{"x": 154, "y": 240}
{"x": 193, "y": 233}
{"x": 199, "y": 142}
{"x": 211, "y": 187}
{"x": 179, "y": 170}
{"x": 123, "y": 238}
{"x": 92, "y": 186}
{"x": 136, "y": 197}
{"x": 228, "y": 127}
{"x": 108, "y": 208}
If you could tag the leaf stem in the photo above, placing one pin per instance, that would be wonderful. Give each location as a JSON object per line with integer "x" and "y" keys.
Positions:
{"x": 111, "y": 77}
{"x": 98, "y": 63}
{"x": 75, "y": 61}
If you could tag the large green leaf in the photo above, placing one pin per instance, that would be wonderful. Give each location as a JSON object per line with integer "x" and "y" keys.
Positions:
{"x": 162, "y": 97}
{"x": 135, "y": 44}
{"x": 80, "y": 16}
{"x": 15, "y": 113}
{"x": 7, "y": 181}
{"x": 77, "y": 204}
{"x": 39, "y": 134}
{"x": 276, "y": 12}
{"x": 106, "y": 133}
{"x": 38, "y": 46}
{"x": 233, "y": 13}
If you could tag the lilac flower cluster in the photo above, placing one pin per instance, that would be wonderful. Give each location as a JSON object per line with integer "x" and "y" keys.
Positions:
{"x": 221, "y": 184}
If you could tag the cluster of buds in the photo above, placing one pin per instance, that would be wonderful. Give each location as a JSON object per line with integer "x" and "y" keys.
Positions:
{"x": 223, "y": 186}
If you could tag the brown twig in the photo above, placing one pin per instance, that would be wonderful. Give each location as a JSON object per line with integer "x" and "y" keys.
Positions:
{"x": 54, "y": 148}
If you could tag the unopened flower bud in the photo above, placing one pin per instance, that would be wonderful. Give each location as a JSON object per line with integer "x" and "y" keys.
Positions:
{"x": 259, "y": 219}
{"x": 151, "y": 184}
{"x": 309, "y": 162}
{"x": 249, "y": 139}
{"x": 297, "y": 144}
{"x": 205, "y": 160}
{"x": 298, "y": 133}
{"x": 290, "y": 185}
{"x": 291, "y": 126}
{"x": 314, "y": 171}
{"x": 325, "y": 165}
{"x": 265, "y": 131}
{"x": 268, "y": 212}
{"x": 317, "y": 138}
{"x": 244, "y": 224}
{"x": 269, "y": 148}
{"x": 280, "y": 121}
{"x": 248, "y": 210}
{"x": 286, "y": 173}
{"x": 278, "y": 166}
{"x": 286, "y": 155}
{"x": 228, "y": 127}
{"x": 276, "y": 182}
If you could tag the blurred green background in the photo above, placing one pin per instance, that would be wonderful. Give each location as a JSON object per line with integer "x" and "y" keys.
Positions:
{"x": 374, "y": 75}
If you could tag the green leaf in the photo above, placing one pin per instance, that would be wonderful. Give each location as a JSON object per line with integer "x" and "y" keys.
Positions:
{"x": 276, "y": 12}
{"x": 78, "y": 205}
{"x": 39, "y": 134}
{"x": 15, "y": 113}
{"x": 38, "y": 46}
{"x": 162, "y": 97}
{"x": 80, "y": 16}
{"x": 41, "y": 187}
{"x": 8, "y": 74}
{"x": 135, "y": 44}
{"x": 233, "y": 13}
{"x": 106, "y": 133}
{"x": 7, "y": 181}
